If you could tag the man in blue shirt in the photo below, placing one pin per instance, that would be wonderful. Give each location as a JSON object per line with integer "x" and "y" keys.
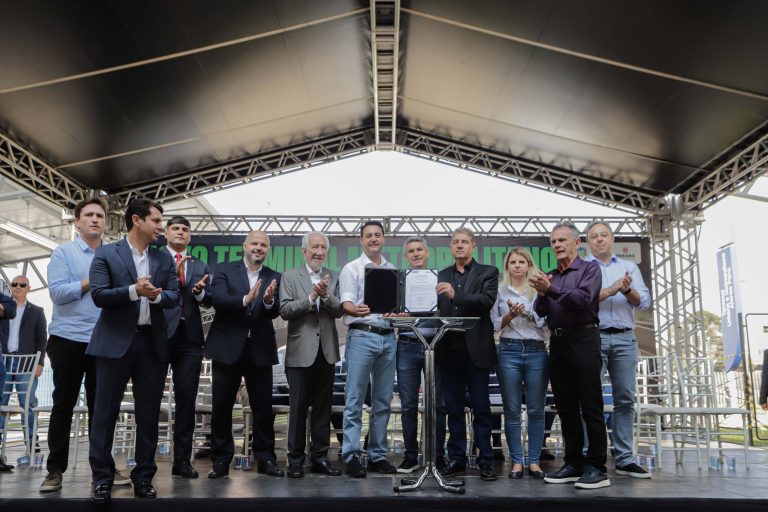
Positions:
{"x": 73, "y": 319}
{"x": 622, "y": 291}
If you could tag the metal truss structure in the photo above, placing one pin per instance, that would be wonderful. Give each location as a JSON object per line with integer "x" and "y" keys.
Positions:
{"x": 743, "y": 168}
{"x": 385, "y": 35}
{"x": 677, "y": 300}
{"x": 27, "y": 267}
{"x": 34, "y": 174}
{"x": 249, "y": 169}
{"x": 515, "y": 227}
{"x": 631, "y": 199}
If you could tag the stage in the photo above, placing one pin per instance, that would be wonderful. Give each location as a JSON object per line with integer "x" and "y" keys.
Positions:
{"x": 673, "y": 488}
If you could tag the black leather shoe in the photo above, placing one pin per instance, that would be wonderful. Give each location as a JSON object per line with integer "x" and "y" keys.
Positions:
{"x": 101, "y": 493}
{"x": 486, "y": 473}
{"x": 184, "y": 469}
{"x": 5, "y": 468}
{"x": 269, "y": 467}
{"x": 144, "y": 490}
{"x": 540, "y": 475}
{"x": 324, "y": 467}
{"x": 516, "y": 475}
{"x": 219, "y": 470}
{"x": 295, "y": 470}
{"x": 455, "y": 467}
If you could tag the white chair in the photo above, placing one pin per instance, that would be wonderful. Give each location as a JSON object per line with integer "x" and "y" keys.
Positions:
{"x": 18, "y": 367}
{"x": 80, "y": 412}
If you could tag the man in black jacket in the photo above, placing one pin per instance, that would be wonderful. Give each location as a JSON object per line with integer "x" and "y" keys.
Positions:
{"x": 467, "y": 289}
{"x": 27, "y": 334}
{"x": 7, "y": 311}
{"x": 242, "y": 343}
{"x": 185, "y": 335}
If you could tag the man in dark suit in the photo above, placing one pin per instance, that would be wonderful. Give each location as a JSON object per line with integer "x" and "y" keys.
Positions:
{"x": 309, "y": 301}
{"x": 467, "y": 289}
{"x": 242, "y": 343}
{"x": 132, "y": 283}
{"x": 27, "y": 334}
{"x": 7, "y": 311}
{"x": 185, "y": 333}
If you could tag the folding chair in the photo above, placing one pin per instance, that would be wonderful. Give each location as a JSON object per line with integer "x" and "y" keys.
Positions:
{"x": 19, "y": 369}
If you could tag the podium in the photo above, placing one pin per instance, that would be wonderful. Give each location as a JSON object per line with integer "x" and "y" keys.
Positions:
{"x": 443, "y": 326}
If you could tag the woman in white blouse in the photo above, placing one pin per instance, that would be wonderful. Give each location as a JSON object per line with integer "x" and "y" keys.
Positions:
{"x": 522, "y": 360}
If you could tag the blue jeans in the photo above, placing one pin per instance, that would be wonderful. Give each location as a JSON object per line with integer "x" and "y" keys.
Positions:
{"x": 21, "y": 383}
{"x": 410, "y": 364}
{"x": 523, "y": 364}
{"x": 619, "y": 353}
{"x": 370, "y": 358}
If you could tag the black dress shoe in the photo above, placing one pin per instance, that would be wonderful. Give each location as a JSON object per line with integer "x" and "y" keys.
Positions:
{"x": 324, "y": 467}
{"x": 101, "y": 493}
{"x": 487, "y": 473}
{"x": 5, "y": 468}
{"x": 144, "y": 490}
{"x": 295, "y": 470}
{"x": 540, "y": 475}
{"x": 184, "y": 469}
{"x": 269, "y": 467}
{"x": 455, "y": 467}
{"x": 516, "y": 475}
{"x": 219, "y": 470}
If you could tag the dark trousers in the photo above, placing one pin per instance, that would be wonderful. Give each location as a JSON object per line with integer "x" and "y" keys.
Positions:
{"x": 457, "y": 375}
{"x": 574, "y": 371}
{"x": 310, "y": 386}
{"x": 410, "y": 366}
{"x": 186, "y": 360}
{"x": 147, "y": 373}
{"x": 69, "y": 364}
{"x": 226, "y": 382}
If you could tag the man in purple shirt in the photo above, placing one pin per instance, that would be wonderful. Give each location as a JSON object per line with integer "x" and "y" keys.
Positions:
{"x": 570, "y": 298}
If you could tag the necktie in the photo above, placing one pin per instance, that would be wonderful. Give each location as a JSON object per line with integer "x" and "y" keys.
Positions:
{"x": 178, "y": 260}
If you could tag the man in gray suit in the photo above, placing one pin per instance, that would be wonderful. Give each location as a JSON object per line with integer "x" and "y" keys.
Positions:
{"x": 309, "y": 301}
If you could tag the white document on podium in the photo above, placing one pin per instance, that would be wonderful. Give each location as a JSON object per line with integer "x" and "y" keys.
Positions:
{"x": 420, "y": 293}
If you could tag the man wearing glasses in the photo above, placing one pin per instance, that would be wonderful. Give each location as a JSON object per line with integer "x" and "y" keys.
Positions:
{"x": 26, "y": 335}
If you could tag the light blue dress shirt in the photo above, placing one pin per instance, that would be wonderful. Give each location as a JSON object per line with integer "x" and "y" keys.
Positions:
{"x": 74, "y": 313}
{"x": 616, "y": 311}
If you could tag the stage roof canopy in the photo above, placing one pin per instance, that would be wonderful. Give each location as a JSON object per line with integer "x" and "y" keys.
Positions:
{"x": 616, "y": 101}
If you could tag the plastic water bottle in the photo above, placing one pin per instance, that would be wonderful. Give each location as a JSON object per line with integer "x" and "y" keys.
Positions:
{"x": 130, "y": 462}
{"x": 730, "y": 462}
{"x": 472, "y": 462}
{"x": 38, "y": 461}
{"x": 650, "y": 462}
{"x": 237, "y": 462}
{"x": 714, "y": 462}
{"x": 23, "y": 460}
{"x": 364, "y": 460}
{"x": 245, "y": 463}
{"x": 558, "y": 449}
{"x": 640, "y": 460}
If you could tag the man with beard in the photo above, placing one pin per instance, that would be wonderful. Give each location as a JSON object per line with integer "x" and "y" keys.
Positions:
{"x": 132, "y": 283}
{"x": 242, "y": 344}
{"x": 370, "y": 353}
{"x": 309, "y": 302}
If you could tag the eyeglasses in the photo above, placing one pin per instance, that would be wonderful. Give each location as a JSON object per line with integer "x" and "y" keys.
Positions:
{"x": 21, "y": 285}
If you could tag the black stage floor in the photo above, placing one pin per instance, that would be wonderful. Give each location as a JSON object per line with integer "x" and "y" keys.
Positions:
{"x": 673, "y": 488}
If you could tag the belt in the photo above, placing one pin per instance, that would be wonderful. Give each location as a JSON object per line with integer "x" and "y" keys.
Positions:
{"x": 144, "y": 329}
{"x": 405, "y": 338}
{"x": 615, "y": 330}
{"x": 562, "y": 331}
{"x": 523, "y": 341}
{"x": 371, "y": 328}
